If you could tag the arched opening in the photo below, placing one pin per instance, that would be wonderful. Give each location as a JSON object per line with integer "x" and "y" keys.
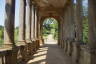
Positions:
{"x": 50, "y": 31}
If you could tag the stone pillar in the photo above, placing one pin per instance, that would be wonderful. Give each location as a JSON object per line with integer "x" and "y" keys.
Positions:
{"x": 33, "y": 28}
{"x": 71, "y": 30}
{"x": 9, "y": 23}
{"x": 22, "y": 22}
{"x": 9, "y": 32}
{"x": 21, "y": 41}
{"x": 92, "y": 30}
{"x": 38, "y": 30}
{"x": 79, "y": 26}
{"x": 92, "y": 24}
{"x": 35, "y": 22}
{"x": 61, "y": 33}
{"x": 79, "y": 30}
{"x": 28, "y": 21}
{"x": 36, "y": 26}
{"x": 32, "y": 22}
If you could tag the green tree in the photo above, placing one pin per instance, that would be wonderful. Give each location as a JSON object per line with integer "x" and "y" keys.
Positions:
{"x": 50, "y": 26}
{"x": 1, "y": 34}
{"x": 16, "y": 34}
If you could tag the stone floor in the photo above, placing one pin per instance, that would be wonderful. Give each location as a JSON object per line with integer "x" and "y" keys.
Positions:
{"x": 50, "y": 54}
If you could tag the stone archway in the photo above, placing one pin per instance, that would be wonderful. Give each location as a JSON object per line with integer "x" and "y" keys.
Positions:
{"x": 59, "y": 21}
{"x": 50, "y": 30}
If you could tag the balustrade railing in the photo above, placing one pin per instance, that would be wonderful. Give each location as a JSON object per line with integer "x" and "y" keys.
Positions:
{"x": 18, "y": 54}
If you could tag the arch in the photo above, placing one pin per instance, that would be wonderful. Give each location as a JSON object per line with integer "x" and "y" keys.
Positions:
{"x": 42, "y": 21}
{"x": 58, "y": 18}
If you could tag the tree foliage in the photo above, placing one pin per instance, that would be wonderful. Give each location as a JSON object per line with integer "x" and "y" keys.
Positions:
{"x": 1, "y": 34}
{"x": 85, "y": 20}
{"x": 50, "y": 26}
{"x": 16, "y": 34}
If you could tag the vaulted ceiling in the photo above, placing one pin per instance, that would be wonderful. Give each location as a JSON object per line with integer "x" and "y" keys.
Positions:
{"x": 51, "y": 3}
{"x": 50, "y": 7}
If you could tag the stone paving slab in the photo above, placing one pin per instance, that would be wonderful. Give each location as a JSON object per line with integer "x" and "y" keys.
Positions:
{"x": 50, "y": 54}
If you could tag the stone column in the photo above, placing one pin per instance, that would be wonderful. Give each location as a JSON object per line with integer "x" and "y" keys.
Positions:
{"x": 35, "y": 23}
{"x": 92, "y": 24}
{"x": 10, "y": 55}
{"x": 79, "y": 26}
{"x": 79, "y": 30}
{"x": 61, "y": 33}
{"x": 9, "y": 23}
{"x": 32, "y": 22}
{"x": 58, "y": 42}
{"x": 22, "y": 22}
{"x": 33, "y": 28}
{"x": 28, "y": 21}
{"x": 39, "y": 27}
{"x": 92, "y": 30}
{"x": 22, "y": 32}
{"x": 38, "y": 30}
{"x": 71, "y": 23}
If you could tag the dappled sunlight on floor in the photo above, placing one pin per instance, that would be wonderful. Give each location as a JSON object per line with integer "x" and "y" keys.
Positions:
{"x": 50, "y": 53}
{"x": 40, "y": 57}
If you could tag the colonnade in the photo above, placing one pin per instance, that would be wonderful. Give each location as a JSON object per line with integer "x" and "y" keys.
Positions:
{"x": 70, "y": 37}
{"x": 72, "y": 40}
{"x": 28, "y": 41}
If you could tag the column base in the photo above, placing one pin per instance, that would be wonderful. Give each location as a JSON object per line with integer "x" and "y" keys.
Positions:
{"x": 9, "y": 46}
{"x": 93, "y": 56}
{"x": 28, "y": 41}
{"x": 21, "y": 43}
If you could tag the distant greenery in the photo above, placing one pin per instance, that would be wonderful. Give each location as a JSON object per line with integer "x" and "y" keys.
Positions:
{"x": 84, "y": 13}
{"x": 85, "y": 20}
{"x": 16, "y": 34}
{"x": 85, "y": 30}
{"x": 1, "y": 35}
{"x": 50, "y": 26}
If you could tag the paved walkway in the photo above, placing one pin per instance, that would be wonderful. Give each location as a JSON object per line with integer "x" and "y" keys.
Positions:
{"x": 50, "y": 54}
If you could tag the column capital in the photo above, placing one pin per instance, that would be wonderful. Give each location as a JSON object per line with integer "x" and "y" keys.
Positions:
{"x": 34, "y": 4}
{"x": 28, "y": 3}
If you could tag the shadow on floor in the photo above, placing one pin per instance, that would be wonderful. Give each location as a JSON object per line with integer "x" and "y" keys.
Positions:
{"x": 50, "y": 54}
